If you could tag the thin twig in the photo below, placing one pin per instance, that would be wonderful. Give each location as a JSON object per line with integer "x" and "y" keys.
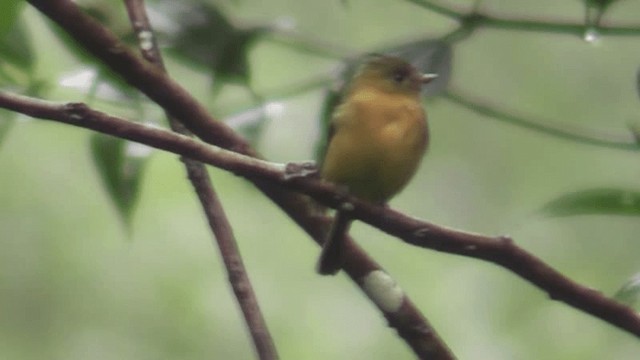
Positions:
{"x": 218, "y": 222}
{"x": 439, "y": 9}
{"x": 307, "y": 44}
{"x": 406, "y": 319}
{"x": 477, "y": 19}
{"x": 101, "y": 43}
{"x": 556, "y": 26}
{"x": 577, "y": 134}
{"x": 499, "y": 250}
{"x": 318, "y": 81}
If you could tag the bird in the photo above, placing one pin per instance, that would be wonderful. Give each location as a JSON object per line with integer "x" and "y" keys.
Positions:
{"x": 377, "y": 137}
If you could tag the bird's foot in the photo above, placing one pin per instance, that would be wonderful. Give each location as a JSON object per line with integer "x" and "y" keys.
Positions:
{"x": 294, "y": 170}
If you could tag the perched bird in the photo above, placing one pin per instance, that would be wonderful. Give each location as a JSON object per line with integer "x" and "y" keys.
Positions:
{"x": 378, "y": 135}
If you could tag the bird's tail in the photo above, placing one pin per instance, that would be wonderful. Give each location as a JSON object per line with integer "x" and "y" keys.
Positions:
{"x": 332, "y": 256}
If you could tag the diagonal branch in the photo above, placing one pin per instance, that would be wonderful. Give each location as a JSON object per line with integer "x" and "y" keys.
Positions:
{"x": 406, "y": 319}
{"x": 399, "y": 310}
{"x": 211, "y": 205}
{"x": 499, "y": 250}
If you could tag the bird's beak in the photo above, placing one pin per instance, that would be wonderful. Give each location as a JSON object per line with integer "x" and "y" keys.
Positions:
{"x": 427, "y": 78}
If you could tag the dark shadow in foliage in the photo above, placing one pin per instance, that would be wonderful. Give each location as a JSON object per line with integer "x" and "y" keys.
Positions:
{"x": 207, "y": 38}
{"x": 604, "y": 201}
{"x": 121, "y": 171}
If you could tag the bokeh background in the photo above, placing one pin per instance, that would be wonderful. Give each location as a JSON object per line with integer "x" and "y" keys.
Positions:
{"x": 82, "y": 278}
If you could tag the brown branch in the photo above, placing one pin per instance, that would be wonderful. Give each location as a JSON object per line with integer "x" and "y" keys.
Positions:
{"x": 211, "y": 205}
{"x": 499, "y": 250}
{"x": 236, "y": 271}
{"x": 407, "y": 320}
{"x": 98, "y": 41}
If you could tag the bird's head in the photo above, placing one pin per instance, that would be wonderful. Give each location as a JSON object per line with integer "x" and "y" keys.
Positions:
{"x": 391, "y": 74}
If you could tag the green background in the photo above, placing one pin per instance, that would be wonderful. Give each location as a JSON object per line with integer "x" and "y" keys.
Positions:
{"x": 76, "y": 284}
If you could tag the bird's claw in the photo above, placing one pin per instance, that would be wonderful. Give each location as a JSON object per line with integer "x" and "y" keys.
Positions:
{"x": 294, "y": 170}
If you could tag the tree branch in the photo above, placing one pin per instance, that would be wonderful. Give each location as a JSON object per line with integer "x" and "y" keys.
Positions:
{"x": 499, "y": 250}
{"x": 211, "y": 205}
{"x": 407, "y": 319}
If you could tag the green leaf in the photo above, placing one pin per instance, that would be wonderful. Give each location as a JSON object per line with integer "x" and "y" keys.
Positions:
{"x": 9, "y": 10}
{"x": 629, "y": 293}
{"x": 596, "y": 201}
{"x": 208, "y": 39}
{"x": 120, "y": 164}
{"x": 16, "y": 50}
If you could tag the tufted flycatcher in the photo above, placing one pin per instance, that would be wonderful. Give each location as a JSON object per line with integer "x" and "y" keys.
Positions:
{"x": 377, "y": 137}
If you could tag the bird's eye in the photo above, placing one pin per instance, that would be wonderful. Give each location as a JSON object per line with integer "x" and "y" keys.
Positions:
{"x": 399, "y": 76}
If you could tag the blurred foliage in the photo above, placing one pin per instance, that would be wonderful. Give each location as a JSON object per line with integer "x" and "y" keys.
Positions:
{"x": 71, "y": 292}
{"x": 596, "y": 201}
{"x": 10, "y": 9}
{"x": 629, "y": 293}
{"x": 120, "y": 164}
{"x": 196, "y": 32}
{"x": 207, "y": 38}
{"x": 635, "y": 130}
{"x": 249, "y": 123}
{"x": 638, "y": 82}
{"x": 16, "y": 60}
{"x": 596, "y": 9}
{"x": 120, "y": 91}
{"x": 16, "y": 56}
